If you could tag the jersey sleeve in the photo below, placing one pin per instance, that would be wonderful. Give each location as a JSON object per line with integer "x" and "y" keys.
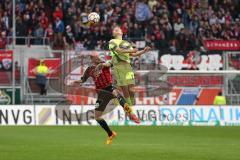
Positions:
{"x": 112, "y": 45}
{"x": 86, "y": 74}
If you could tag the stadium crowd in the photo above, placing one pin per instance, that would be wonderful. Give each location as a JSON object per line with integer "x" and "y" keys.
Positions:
{"x": 170, "y": 25}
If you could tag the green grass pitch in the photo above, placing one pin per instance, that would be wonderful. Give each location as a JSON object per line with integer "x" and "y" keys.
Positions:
{"x": 132, "y": 143}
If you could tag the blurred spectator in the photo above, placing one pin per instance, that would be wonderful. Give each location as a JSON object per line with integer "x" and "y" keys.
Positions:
{"x": 3, "y": 40}
{"x": 21, "y": 31}
{"x": 124, "y": 28}
{"x": 173, "y": 47}
{"x": 136, "y": 32}
{"x": 58, "y": 13}
{"x": 181, "y": 41}
{"x": 236, "y": 30}
{"x": 30, "y": 39}
{"x": 193, "y": 25}
{"x": 6, "y": 21}
{"x": 68, "y": 38}
{"x": 178, "y": 26}
{"x": 44, "y": 20}
{"x": 68, "y": 17}
{"x": 58, "y": 32}
{"x": 49, "y": 33}
{"x": 38, "y": 34}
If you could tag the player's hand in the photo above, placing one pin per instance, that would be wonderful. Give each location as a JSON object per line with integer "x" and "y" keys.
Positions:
{"x": 146, "y": 49}
{"x": 77, "y": 83}
{"x": 135, "y": 50}
{"x": 133, "y": 45}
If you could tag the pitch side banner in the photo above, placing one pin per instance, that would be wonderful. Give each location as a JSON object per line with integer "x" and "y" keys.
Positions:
{"x": 17, "y": 115}
{"x": 149, "y": 115}
{"x": 52, "y": 64}
{"x": 222, "y": 45}
{"x": 64, "y": 115}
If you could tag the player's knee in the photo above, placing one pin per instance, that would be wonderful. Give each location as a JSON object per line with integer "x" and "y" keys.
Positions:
{"x": 98, "y": 115}
{"x": 132, "y": 91}
{"x": 98, "y": 118}
{"x": 115, "y": 92}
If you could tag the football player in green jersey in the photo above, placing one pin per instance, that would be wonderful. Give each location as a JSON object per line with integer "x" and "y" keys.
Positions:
{"x": 121, "y": 51}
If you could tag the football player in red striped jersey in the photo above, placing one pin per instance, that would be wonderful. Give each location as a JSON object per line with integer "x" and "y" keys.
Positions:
{"x": 106, "y": 92}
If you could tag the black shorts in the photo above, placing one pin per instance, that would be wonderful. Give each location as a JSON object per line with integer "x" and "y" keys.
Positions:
{"x": 104, "y": 97}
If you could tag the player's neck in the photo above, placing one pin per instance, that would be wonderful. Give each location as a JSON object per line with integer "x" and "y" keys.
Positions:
{"x": 119, "y": 37}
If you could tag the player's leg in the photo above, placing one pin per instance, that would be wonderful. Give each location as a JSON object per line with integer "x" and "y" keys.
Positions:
{"x": 132, "y": 93}
{"x": 102, "y": 122}
{"x": 104, "y": 96}
{"x": 126, "y": 94}
{"x": 104, "y": 125}
{"x": 126, "y": 107}
{"x": 122, "y": 101}
{"x": 125, "y": 77}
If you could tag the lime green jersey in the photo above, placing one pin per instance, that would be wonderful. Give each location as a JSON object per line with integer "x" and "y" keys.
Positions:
{"x": 119, "y": 57}
{"x": 220, "y": 100}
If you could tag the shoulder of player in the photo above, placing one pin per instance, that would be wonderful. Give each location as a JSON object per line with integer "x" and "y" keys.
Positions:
{"x": 111, "y": 41}
{"x": 114, "y": 41}
{"x": 89, "y": 68}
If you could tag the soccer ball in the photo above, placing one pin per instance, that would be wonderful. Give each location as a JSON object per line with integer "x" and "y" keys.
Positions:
{"x": 93, "y": 17}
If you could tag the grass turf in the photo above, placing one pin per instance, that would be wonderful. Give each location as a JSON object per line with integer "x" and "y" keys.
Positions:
{"x": 132, "y": 143}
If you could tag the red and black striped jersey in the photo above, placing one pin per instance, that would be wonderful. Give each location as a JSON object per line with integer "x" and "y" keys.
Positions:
{"x": 103, "y": 80}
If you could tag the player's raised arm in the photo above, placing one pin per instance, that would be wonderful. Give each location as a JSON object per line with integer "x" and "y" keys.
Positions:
{"x": 123, "y": 51}
{"x": 102, "y": 65}
{"x": 139, "y": 53}
{"x": 84, "y": 77}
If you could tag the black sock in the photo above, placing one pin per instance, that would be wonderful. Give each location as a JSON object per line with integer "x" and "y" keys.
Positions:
{"x": 121, "y": 100}
{"x": 104, "y": 125}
